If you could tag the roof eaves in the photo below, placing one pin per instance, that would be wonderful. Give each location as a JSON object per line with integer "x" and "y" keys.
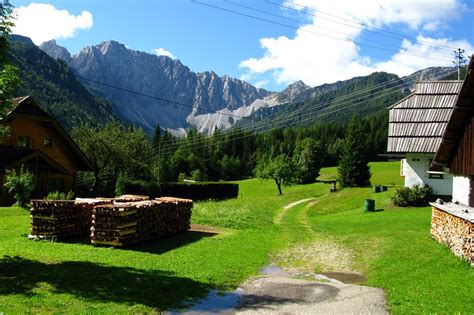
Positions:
{"x": 462, "y": 113}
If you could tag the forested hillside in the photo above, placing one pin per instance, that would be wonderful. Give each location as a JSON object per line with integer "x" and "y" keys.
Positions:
{"x": 362, "y": 96}
{"x": 49, "y": 82}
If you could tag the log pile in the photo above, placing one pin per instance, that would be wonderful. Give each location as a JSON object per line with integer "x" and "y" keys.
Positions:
{"x": 126, "y": 223}
{"x": 124, "y": 220}
{"x": 131, "y": 198}
{"x": 85, "y": 207}
{"x": 55, "y": 219}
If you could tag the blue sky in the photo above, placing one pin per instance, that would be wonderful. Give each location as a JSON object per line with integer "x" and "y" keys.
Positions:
{"x": 321, "y": 43}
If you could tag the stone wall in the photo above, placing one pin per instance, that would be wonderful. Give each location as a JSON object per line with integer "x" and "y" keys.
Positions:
{"x": 454, "y": 229}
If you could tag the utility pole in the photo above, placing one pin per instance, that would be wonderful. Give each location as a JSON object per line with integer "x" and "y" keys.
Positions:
{"x": 159, "y": 162}
{"x": 459, "y": 60}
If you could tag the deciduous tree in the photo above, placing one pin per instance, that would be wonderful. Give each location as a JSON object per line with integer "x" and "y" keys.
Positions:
{"x": 279, "y": 168}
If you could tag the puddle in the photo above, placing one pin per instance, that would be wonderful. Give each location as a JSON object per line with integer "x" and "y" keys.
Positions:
{"x": 273, "y": 271}
{"x": 348, "y": 278}
{"x": 215, "y": 303}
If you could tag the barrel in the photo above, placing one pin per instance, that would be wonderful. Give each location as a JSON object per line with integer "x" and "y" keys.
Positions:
{"x": 376, "y": 189}
{"x": 369, "y": 205}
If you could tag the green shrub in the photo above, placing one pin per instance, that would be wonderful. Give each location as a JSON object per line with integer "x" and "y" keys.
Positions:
{"x": 20, "y": 185}
{"x": 56, "y": 195}
{"x": 200, "y": 191}
{"x": 197, "y": 191}
{"x": 135, "y": 187}
{"x": 417, "y": 196}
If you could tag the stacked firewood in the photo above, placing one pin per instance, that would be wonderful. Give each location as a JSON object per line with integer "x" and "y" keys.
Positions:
{"x": 125, "y": 223}
{"x": 55, "y": 219}
{"x": 84, "y": 206}
{"x": 131, "y": 198}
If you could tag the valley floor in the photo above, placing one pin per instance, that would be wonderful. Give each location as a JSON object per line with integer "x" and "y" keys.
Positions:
{"x": 325, "y": 233}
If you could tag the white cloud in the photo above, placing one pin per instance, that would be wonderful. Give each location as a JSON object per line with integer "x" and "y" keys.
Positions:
{"x": 324, "y": 51}
{"x": 425, "y": 52}
{"x": 261, "y": 83}
{"x": 163, "y": 52}
{"x": 433, "y": 26}
{"x": 42, "y": 22}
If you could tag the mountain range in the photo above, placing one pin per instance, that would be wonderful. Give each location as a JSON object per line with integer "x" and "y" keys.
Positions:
{"x": 149, "y": 90}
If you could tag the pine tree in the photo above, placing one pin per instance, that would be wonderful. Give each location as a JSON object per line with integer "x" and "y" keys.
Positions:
{"x": 353, "y": 167}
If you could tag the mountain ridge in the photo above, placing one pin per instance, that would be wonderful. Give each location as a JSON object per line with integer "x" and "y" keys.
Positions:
{"x": 200, "y": 100}
{"x": 158, "y": 76}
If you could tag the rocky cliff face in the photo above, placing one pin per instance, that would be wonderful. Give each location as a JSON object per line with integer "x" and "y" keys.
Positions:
{"x": 154, "y": 80}
{"x": 55, "y": 51}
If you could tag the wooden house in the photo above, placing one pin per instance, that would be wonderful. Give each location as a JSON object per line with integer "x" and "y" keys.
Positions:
{"x": 453, "y": 223}
{"x": 416, "y": 127}
{"x": 37, "y": 141}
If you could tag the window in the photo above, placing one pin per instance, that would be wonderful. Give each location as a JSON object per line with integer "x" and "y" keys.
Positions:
{"x": 23, "y": 142}
{"x": 48, "y": 142}
{"x": 435, "y": 176}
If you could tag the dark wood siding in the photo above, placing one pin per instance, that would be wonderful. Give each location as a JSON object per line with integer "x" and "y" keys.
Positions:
{"x": 462, "y": 163}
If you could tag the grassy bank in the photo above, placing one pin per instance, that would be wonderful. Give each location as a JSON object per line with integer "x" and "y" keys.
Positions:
{"x": 392, "y": 247}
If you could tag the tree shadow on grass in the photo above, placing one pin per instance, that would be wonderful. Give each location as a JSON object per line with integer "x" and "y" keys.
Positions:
{"x": 95, "y": 282}
{"x": 156, "y": 246}
{"x": 169, "y": 243}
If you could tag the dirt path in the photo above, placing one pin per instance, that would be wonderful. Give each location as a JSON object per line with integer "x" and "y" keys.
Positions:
{"x": 315, "y": 253}
{"x": 281, "y": 214}
{"x": 291, "y": 285}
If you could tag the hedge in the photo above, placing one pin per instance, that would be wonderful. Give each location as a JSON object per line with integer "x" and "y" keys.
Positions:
{"x": 196, "y": 191}
{"x": 200, "y": 191}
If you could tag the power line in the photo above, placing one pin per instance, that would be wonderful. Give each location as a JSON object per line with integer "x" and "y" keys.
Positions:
{"x": 321, "y": 106}
{"x": 157, "y": 98}
{"x": 315, "y": 33}
{"x": 194, "y": 146}
{"x": 368, "y": 89}
{"x": 327, "y": 29}
{"x": 365, "y": 26}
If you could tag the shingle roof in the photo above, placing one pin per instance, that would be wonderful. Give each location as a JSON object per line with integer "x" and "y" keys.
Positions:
{"x": 417, "y": 122}
{"x": 462, "y": 113}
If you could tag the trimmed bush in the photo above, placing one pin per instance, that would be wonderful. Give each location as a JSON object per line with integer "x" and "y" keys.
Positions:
{"x": 197, "y": 191}
{"x": 418, "y": 196}
{"x": 200, "y": 191}
{"x": 126, "y": 186}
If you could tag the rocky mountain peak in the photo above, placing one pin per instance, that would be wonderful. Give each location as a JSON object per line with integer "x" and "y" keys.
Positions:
{"x": 292, "y": 91}
{"x": 111, "y": 46}
{"x": 57, "y": 52}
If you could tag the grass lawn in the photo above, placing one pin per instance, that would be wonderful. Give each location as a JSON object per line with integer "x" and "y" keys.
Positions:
{"x": 391, "y": 247}
{"x": 394, "y": 250}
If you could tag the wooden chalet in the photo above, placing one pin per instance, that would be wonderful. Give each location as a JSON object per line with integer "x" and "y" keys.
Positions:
{"x": 416, "y": 127}
{"x": 453, "y": 223}
{"x": 37, "y": 141}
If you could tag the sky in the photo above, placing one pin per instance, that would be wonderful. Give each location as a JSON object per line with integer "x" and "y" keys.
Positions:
{"x": 269, "y": 43}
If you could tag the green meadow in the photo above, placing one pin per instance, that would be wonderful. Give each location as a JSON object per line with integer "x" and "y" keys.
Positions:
{"x": 391, "y": 247}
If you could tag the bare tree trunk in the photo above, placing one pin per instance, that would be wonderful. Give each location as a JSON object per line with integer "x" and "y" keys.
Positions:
{"x": 278, "y": 182}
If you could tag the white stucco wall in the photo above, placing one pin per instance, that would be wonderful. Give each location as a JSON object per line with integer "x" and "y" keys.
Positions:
{"x": 415, "y": 168}
{"x": 462, "y": 190}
